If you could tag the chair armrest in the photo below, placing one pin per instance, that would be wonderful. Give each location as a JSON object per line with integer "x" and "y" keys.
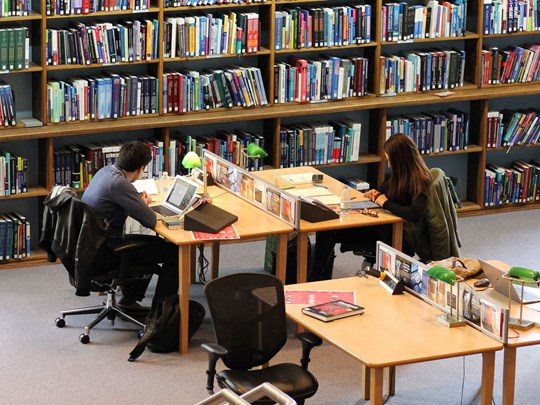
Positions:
{"x": 309, "y": 341}
{"x": 128, "y": 246}
{"x": 215, "y": 352}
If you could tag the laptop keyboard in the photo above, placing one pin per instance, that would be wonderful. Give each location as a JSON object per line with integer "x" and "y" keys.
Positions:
{"x": 161, "y": 209}
{"x": 527, "y": 294}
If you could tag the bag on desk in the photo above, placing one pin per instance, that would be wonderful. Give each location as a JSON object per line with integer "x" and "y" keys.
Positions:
{"x": 463, "y": 266}
{"x": 162, "y": 334}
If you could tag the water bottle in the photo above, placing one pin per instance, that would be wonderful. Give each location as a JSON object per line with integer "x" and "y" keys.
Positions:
{"x": 164, "y": 185}
{"x": 345, "y": 202}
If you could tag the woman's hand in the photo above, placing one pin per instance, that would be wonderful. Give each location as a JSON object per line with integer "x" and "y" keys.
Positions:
{"x": 372, "y": 194}
{"x": 381, "y": 199}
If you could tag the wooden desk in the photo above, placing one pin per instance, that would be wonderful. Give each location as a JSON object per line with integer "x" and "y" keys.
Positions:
{"x": 515, "y": 340}
{"x": 352, "y": 221}
{"x": 252, "y": 223}
{"x": 395, "y": 330}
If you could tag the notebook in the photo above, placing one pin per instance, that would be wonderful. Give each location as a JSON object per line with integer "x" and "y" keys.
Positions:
{"x": 180, "y": 198}
{"x": 500, "y": 285}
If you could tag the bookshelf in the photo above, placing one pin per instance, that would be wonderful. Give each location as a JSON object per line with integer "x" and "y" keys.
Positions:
{"x": 30, "y": 87}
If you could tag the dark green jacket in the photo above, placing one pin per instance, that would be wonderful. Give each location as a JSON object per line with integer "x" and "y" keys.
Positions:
{"x": 435, "y": 236}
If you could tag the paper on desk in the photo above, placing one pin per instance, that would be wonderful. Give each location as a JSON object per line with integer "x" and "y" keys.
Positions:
{"x": 148, "y": 185}
{"x": 314, "y": 297}
{"x": 299, "y": 178}
{"x": 331, "y": 199}
{"x": 309, "y": 192}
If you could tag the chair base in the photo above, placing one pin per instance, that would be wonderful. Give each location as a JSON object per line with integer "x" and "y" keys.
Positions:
{"x": 108, "y": 310}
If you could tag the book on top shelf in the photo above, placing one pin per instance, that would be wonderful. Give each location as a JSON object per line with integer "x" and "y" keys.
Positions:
{"x": 330, "y": 311}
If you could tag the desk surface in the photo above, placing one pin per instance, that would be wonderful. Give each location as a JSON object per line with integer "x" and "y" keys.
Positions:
{"x": 394, "y": 329}
{"x": 335, "y": 186}
{"x": 252, "y": 221}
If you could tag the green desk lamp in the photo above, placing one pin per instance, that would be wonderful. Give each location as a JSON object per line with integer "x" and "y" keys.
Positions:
{"x": 520, "y": 275}
{"x": 253, "y": 151}
{"x": 449, "y": 277}
{"x": 192, "y": 161}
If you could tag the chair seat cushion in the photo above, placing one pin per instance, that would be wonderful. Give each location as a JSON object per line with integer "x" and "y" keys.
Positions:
{"x": 290, "y": 378}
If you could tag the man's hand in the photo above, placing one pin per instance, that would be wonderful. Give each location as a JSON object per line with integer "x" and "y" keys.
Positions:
{"x": 145, "y": 197}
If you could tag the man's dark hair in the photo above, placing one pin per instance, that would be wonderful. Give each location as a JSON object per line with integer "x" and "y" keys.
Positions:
{"x": 133, "y": 155}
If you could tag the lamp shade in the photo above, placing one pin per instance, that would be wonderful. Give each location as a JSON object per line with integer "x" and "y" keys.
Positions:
{"x": 523, "y": 273}
{"x": 255, "y": 151}
{"x": 191, "y": 160}
{"x": 443, "y": 274}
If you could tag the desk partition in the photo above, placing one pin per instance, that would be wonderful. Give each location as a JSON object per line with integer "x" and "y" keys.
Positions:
{"x": 469, "y": 305}
{"x": 260, "y": 193}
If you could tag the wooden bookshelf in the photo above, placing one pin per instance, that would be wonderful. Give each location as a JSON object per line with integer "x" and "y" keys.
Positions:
{"x": 477, "y": 99}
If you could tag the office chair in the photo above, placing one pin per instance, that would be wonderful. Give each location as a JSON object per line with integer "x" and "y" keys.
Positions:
{"x": 248, "y": 314}
{"x": 73, "y": 233}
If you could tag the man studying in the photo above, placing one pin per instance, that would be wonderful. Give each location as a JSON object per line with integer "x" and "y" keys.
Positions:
{"x": 113, "y": 196}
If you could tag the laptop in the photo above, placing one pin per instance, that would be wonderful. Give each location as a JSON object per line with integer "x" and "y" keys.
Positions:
{"x": 181, "y": 196}
{"x": 500, "y": 284}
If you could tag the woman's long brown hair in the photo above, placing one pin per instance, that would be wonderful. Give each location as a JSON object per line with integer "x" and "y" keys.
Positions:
{"x": 409, "y": 173}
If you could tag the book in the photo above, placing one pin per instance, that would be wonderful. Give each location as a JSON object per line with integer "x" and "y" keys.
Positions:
{"x": 330, "y": 311}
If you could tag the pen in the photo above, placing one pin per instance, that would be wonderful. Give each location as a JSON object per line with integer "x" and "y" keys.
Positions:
{"x": 353, "y": 198}
{"x": 287, "y": 187}
{"x": 319, "y": 185}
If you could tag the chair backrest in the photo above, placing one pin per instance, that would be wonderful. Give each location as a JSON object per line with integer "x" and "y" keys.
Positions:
{"x": 248, "y": 314}
{"x": 73, "y": 232}
{"x": 435, "y": 237}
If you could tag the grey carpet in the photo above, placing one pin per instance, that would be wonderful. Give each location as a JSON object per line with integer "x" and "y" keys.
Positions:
{"x": 42, "y": 364}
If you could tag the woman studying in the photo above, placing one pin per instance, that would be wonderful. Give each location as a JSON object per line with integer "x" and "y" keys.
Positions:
{"x": 408, "y": 194}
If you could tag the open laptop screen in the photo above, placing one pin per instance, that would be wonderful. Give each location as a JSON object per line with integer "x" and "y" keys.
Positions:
{"x": 182, "y": 194}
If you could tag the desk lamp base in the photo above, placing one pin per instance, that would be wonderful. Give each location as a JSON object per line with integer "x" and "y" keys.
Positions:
{"x": 518, "y": 324}
{"x": 450, "y": 321}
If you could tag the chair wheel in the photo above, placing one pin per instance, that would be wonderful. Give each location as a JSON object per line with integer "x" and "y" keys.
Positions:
{"x": 60, "y": 322}
{"x": 84, "y": 338}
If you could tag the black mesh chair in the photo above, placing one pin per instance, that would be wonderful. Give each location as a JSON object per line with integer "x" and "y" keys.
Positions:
{"x": 73, "y": 233}
{"x": 248, "y": 314}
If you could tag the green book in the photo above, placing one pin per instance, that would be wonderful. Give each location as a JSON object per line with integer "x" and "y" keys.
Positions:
{"x": 4, "y": 48}
{"x": 20, "y": 39}
{"x": 11, "y": 48}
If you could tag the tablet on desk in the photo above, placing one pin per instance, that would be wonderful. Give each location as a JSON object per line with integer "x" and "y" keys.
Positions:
{"x": 360, "y": 205}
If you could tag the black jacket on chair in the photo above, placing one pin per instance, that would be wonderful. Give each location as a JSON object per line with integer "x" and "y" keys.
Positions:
{"x": 73, "y": 233}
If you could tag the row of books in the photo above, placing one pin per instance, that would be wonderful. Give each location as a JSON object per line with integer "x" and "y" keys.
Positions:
{"x": 68, "y": 7}
{"x": 7, "y": 105}
{"x": 319, "y": 143}
{"x": 512, "y": 65}
{"x": 13, "y": 174}
{"x": 433, "y": 132}
{"x": 508, "y": 128}
{"x": 14, "y": 48}
{"x": 320, "y": 79}
{"x": 403, "y": 21}
{"x": 206, "y": 35}
{"x": 14, "y": 236}
{"x": 503, "y": 16}
{"x": 110, "y": 95}
{"x": 422, "y": 71}
{"x": 230, "y": 145}
{"x": 15, "y": 8}
{"x": 75, "y": 165}
{"x": 322, "y": 26}
{"x": 518, "y": 183}
{"x": 183, "y": 3}
{"x": 127, "y": 41}
{"x": 193, "y": 90}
